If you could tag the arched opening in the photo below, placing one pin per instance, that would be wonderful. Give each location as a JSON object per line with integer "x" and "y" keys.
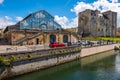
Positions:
{"x": 43, "y": 27}
{"x": 65, "y": 38}
{"x": 52, "y": 38}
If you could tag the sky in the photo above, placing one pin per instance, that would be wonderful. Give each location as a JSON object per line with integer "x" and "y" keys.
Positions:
{"x": 65, "y": 12}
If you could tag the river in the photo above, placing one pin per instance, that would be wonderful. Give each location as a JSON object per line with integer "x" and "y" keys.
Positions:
{"x": 104, "y": 66}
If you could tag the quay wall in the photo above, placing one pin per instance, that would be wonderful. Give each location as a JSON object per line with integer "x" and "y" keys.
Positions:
{"x": 47, "y": 58}
{"x": 95, "y": 50}
{"x": 34, "y": 66}
{"x": 36, "y": 60}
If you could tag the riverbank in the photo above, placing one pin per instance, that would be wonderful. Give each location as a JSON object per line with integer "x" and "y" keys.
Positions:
{"x": 23, "y": 62}
{"x": 97, "y": 49}
{"x": 41, "y": 59}
{"x": 96, "y": 67}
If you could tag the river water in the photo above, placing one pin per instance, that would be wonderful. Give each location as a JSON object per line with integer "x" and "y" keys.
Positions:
{"x": 104, "y": 66}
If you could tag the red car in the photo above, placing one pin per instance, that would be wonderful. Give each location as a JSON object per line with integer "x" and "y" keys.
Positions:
{"x": 54, "y": 44}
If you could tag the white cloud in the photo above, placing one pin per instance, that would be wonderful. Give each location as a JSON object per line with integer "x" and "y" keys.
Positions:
{"x": 63, "y": 21}
{"x": 8, "y": 18}
{"x": 1, "y": 1}
{"x": 18, "y": 18}
{"x": 101, "y": 5}
{"x": 5, "y": 21}
{"x": 81, "y": 6}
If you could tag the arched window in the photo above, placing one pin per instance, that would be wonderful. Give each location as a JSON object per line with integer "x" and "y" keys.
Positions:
{"x": 65, "y": 38}
{"x": 43, "y": 27}
{"x": 52, "y": 38}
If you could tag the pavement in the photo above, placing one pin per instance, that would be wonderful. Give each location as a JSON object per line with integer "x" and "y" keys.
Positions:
{"x": 9, "y": 48}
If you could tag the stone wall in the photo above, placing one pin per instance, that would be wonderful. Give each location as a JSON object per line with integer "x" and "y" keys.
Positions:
{"x": 25, "y": 62}
{"x": 39, "y": 37}
{"x": 95, "y": 50}
{"x": 47, "y": 58}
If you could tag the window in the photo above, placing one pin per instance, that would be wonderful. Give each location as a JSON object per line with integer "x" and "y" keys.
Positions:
{"x": 65, "y": 38}
{"x": 43, "y": 27}
{"x": 52, "y": 38}
{"x": 98, "y": 30}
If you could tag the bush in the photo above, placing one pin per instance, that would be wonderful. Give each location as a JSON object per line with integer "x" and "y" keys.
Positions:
{"x": 4, "y": 62}
{"x": 61, "y": 51}
{"x": 7, "y": 63}
{"x": 2, "y": 59}
{"x": 12, "y": 58}
{"x": 53, "y": 52}
{"x": 29, "y": 55}
{"x": 77, "y": 49}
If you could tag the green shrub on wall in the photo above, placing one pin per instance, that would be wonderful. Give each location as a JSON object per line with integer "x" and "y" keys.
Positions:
{"x": 12, "y": 58}
{"x": 29, "y": 55}
{"x": 53, "y": 52}
{"x": 2, "y": 59}
{"x": 62, "y": 51}
{"x": 5, "y": 62}
{"x": 77, "y": 49}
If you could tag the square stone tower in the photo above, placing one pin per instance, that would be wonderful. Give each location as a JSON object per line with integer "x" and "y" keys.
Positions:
{"x": 95, "y": 23}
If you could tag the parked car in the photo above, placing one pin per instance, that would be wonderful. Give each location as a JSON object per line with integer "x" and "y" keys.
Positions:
{"x": 71, "y": 43}
{"x": 84, "y": 43}
{"x": 90, "y": 43}
{"x": 100, "y": 42}
{"x": 79, "y": 42}
{"x": 56, "y": 44}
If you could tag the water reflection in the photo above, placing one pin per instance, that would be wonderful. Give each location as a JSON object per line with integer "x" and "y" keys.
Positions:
{"x": 105, "y": 66}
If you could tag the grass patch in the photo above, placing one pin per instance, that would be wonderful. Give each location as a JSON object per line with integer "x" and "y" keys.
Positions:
{"x": 101, "y": 38}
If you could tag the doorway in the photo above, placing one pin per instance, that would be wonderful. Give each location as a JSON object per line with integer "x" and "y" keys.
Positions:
{"x": 37, "y": 40}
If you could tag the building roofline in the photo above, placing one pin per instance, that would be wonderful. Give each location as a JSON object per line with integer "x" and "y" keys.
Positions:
{"x": 109, "y": 11}
{"x": 34, "y": 13}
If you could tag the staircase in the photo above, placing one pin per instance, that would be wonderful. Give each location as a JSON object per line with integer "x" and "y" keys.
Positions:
{"x": 25, "y": 39}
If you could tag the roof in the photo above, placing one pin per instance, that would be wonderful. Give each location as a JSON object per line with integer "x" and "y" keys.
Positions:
{"x": 35, "y": 13}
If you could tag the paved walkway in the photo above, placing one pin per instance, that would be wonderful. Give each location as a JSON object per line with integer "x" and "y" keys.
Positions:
{"x": 9, "y": 48}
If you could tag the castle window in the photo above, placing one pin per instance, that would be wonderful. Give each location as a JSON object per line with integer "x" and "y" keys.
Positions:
{"x": 98, "y": 30}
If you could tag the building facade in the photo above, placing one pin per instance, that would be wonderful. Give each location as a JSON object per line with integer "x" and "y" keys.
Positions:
{"x": 95, "y": 23}
{"x": 37, "y": 28}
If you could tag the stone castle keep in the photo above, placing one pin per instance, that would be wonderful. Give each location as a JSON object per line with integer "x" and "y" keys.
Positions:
{"x": 95, "y": 23}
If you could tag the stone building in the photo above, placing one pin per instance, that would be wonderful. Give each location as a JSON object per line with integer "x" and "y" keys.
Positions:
{"x": 95, "y": 23}
{"x": 37, "y": 28}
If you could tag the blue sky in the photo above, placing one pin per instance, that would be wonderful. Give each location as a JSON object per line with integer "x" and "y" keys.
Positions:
{"x": 65, "y": 11}
{"x": 24, "y": 7}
